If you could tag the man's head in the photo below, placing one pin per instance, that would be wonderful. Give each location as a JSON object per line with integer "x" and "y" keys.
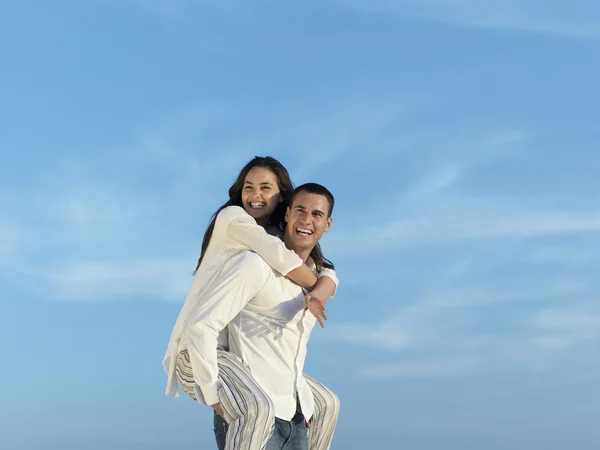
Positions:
{"x": 308, "y": 216}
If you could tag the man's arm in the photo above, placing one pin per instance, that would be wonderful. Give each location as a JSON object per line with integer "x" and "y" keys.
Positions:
{"x": 239, "y": 281}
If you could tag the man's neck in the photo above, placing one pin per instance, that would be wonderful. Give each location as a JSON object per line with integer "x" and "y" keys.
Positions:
{"x": 302, "y": 253}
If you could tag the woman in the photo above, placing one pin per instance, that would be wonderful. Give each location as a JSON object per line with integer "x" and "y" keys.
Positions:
{"x": 257, "y": 202}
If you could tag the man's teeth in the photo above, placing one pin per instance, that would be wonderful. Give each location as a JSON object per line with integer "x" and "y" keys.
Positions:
{"x": 257, "y": 205}
{"x": 302, "y": 231}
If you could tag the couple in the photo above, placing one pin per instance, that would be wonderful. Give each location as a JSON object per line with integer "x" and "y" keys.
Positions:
{"x": 239, "y": 343}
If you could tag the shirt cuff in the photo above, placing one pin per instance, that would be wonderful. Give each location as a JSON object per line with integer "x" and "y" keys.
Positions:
{"x": 210, "y": 393}
{"x": 331, "y": 274}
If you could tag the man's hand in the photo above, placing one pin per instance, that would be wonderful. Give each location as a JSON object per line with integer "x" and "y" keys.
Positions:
{"x": 219, "y": 410}
{"x": 316, "y": 307}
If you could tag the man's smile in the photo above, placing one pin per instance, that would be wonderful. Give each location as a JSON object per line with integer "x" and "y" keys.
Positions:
{"x": 304, "y": 232}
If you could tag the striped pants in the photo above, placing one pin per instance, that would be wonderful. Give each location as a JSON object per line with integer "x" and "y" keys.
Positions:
{"x": 248, "y": 410}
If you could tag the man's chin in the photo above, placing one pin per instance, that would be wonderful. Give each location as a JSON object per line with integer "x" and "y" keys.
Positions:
{"x": 302, "y": 244}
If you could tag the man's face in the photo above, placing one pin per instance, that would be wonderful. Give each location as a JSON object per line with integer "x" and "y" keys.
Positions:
{"x": 307, "y": 219}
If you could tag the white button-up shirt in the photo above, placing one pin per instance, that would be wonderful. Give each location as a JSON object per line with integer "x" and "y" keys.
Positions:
{"x": 234, "y": 231}
{"x": 269, "y": 328}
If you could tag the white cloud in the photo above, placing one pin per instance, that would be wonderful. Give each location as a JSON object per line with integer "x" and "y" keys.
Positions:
{"x": 579, "y": 19}
{"x": 456, "y": 218}
{"x": 455, "y": 366}
{"x": 431, "y": 184}
{"x": 10, "y": 241}
{"x": 112, "y": 280}
{"x": 163, "y": 7}
{"x": 440, "y": 334}
{"x": 559, "y": 330}
{"x": 438, "y": 208}
{"x": 117, "y": 223}
{"x": 387, "y": 335}
{"x": 557, "y": 254}
{"x": 441, "y": 311}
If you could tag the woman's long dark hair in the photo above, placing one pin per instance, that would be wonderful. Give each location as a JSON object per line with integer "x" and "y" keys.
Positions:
{"x": 286, "y": 188}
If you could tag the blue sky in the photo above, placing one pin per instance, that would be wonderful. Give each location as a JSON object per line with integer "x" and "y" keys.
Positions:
{"x": 459, "y": 137}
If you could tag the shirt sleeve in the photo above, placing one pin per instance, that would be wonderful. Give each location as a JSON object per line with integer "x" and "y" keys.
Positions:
{"x": 325, "y": 272}
{"x": 243, "y": 233}
{"x": 238, "y": 282}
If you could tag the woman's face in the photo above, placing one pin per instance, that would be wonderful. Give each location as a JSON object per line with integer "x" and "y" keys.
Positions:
{"x": 260, "y": 194}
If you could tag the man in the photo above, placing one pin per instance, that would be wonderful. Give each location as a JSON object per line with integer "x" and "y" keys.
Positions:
{"x": 268, "y": 324}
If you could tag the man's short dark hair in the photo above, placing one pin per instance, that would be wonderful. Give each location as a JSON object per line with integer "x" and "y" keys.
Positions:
{"x": 315, "y": 188}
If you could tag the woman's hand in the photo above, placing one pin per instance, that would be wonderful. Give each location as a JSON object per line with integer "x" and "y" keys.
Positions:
{"x": 316, "y": 307}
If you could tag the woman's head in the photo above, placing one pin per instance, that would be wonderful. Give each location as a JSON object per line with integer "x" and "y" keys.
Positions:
{"x": 263, "y": 188}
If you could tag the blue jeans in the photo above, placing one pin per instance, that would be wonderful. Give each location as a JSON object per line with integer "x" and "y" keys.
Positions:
{"x": 220, "y": 431}
{"x": 287, "y": 435}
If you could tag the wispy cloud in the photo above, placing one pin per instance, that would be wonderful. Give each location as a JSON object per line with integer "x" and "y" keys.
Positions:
{"x": 580, "y": 19}
{"x": 443, "y": 206}
{"x": 439, "y": 333}
{"x": 144, "y": 279}
{"x": 441, "y": 309}
{"x": 562, "y": 329}
{"x": 560, "y": 254}
{"x": 433, "y": 183}
{"x": 164, "y": 7}
{"x": 388, "y": 334}
{"x": 129, "y": 223}
{"x": 435, "y": 368}
{"x": 10, "y": 240}
{"x": 420, "y": 217}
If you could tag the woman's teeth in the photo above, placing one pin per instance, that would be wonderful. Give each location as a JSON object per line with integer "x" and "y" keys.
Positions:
{"x": 257, "y": 205}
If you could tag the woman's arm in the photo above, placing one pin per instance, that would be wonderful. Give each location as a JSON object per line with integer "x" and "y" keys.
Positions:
{"x": 324, "y": 290}
{"x": 304, "y": 277}
{"x": 241, "y": 232}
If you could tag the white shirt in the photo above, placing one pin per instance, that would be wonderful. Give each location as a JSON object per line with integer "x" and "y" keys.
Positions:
{"x": 269, "y": 328}
{"x": 235, "y": 231}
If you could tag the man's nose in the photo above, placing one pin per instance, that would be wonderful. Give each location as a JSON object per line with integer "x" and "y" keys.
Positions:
{"x": 307, "y": 219}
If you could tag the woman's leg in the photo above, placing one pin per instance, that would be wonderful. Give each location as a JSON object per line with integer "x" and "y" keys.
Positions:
{"x": 324, "y": 419}
{"x": 249, "y": 413}
{"x": 185, "y": 376}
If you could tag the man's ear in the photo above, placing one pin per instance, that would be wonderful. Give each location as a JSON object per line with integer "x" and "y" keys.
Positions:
{"x": 329, "y": 221}
{"x": 287, "y": 213}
